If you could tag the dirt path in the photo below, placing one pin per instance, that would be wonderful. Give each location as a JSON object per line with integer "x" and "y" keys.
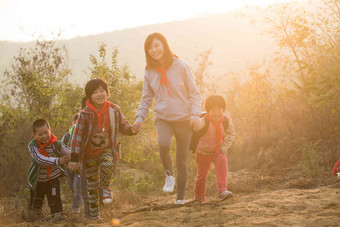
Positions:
{"x": 293, "y": 207}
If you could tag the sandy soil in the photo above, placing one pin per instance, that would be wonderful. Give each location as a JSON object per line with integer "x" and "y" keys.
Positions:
{"x": 258, "y": 201}
{"x": 292, "y": 207}
{"x": 289, "y": 207}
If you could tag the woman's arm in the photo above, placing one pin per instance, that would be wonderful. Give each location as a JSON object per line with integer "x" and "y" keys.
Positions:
{"x": 193, "y": 92}
{"x": 146, "y": 100}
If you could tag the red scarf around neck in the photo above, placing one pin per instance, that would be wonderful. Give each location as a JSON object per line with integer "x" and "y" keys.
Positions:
{"x": 52, "y": 140}
{"x": 219, "y": 130}
{"x": 163, "y": 78}
{"x": 100, "y": 114}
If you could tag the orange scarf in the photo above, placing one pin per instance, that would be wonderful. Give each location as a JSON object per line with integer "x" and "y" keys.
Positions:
{"x": 219, "y": 130}
{"x": 163, "y": 78}
{"x": 52, "y": 140}
{"x": 100, "y": 114}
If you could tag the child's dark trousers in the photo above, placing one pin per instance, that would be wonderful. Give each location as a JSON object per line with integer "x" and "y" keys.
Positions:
{"x": 51, "y": 189}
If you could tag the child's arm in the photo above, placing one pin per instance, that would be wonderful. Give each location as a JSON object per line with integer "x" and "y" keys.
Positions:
{"x": 77, "y": 137}
{"x": 66, "y": 138}
{"x": 65, "y": 151}
{"x": 229, "y": 137}
{"x": 41, "y": 159}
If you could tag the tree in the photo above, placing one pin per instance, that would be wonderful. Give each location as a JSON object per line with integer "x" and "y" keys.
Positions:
{"x": 202, "y": 78}
{"x": 37, "y": 77}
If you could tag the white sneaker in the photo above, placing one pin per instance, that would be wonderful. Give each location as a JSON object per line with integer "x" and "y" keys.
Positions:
{"x": 225, "y": 195}
{"x": 107, "y": 198}
{"x": 180, "y": 202}
{"x": 169, "y": 184}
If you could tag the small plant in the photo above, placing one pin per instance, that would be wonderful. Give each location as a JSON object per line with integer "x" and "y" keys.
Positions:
{"x": 133, "y": 182}
{"x": 311, "y": 159}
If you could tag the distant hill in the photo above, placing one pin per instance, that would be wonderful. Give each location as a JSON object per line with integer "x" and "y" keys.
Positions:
{"x": 234, "y": 42}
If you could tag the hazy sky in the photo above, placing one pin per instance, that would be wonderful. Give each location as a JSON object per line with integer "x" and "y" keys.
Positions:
{"x": 25, "y": 20}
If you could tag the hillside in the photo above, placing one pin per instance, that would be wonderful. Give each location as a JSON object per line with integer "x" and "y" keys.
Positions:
{"x": 234, "y": 42}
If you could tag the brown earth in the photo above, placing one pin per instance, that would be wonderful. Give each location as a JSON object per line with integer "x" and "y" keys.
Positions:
{"x": 318, "y": 206}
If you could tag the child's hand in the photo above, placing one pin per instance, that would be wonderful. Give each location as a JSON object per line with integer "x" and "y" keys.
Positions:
{"x": 197, "y": 124}
{"x": 72, "y": 166}
{"x": 136, "y": 127}
{"x": 63, "y": 160}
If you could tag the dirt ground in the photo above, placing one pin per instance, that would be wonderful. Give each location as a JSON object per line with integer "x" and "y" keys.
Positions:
{"x": 292, "y": 207}
{"x": 289, "y": 207}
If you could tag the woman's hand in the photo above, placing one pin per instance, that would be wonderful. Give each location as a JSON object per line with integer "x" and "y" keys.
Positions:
{"x": 195, "y": 124}
{"x": 136, "y": 127}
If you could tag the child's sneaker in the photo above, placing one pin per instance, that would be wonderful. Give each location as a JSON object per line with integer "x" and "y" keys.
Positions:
{"x": 225, "y": 195}
{"x": 96, "y": 218}
{"x": 75, "y": 210}
{"x": 57, "y": 217}
{"x": 107, "y": 198}
{"x": 169, "y": 183}
{"x": 180, "y": 202}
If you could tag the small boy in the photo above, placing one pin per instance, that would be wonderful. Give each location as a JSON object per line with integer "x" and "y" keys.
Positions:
{"x": 76, "y": 180}
{"x": 210, "y": 143}
{"x": 95, "y": 142}
{"x": 48, "y": 157}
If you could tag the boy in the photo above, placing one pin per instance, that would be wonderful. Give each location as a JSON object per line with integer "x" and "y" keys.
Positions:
{"x": 210, "y": 143}
{"x": 48, "y": 157}
{"x": 95, "y": 142}
{"x": 76, "y": 180}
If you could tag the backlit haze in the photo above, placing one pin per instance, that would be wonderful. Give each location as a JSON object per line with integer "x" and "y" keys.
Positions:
{"x": 26, "y": 20}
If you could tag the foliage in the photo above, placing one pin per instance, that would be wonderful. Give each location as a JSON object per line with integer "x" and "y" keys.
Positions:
{"x": 295, "y": 95}
{"x": 35, "y": 86}
{"x": 130, "y": 182}
{"x": 311, "y": 160}
{"x": 202, "y": 77}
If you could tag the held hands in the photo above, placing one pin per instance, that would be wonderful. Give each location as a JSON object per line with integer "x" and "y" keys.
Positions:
{"x": 136, "y": 127}
{"x": 196, "y": 124}
{"x": 72, "y": 166}
{"x": 63, "y": 160}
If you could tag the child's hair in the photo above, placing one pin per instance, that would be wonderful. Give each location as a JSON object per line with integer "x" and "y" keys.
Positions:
{"x": 40, "y": 123}
{"x": 215, "y": 100}
{"x": 75, "y": 117}
{"x": 92, "y": 85}
{"x": 168, "y": 54}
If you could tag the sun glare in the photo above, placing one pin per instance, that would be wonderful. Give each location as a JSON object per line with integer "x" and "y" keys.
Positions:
{"x": 26, "y": 20}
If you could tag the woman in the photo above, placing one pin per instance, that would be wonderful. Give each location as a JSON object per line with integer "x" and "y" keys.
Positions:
{"x": 178, "y": 107}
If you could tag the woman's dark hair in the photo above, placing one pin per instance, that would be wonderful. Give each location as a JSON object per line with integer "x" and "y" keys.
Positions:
{"x": 40, "y": 123}
{"x": 214, "y": 100}
{"x": 92, "y": 85}
{"x": 168, "y": 54}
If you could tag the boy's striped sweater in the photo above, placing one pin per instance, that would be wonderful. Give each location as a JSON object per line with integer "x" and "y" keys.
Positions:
{"x": 37, "y": 170}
